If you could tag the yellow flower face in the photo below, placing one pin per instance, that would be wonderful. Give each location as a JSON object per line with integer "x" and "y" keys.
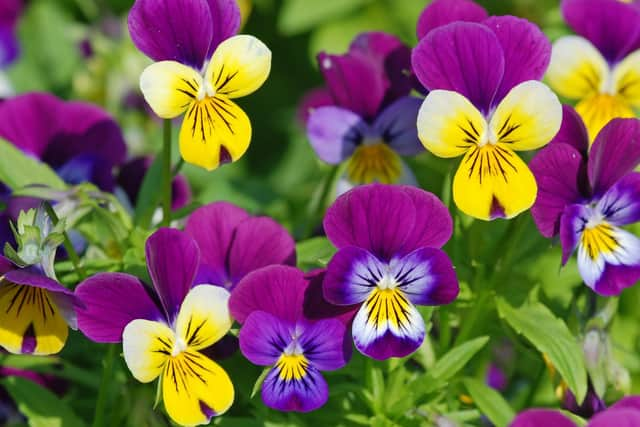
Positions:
{"x": 215, "y": 130}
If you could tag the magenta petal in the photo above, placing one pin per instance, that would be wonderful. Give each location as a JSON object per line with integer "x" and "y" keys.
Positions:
{"x": 560, "y": 172}
{"x": 616, "y": 278}
{"x": 172, "y": 30}
{"x": 316, "y": 306}
{"x": 5, "y": 265}
{"x": 352, "y": 274}
{"x": 226, "y": 18}
{"x": 527, "y": 51}
{"x": 614, "y": 153}
{"x": 612, "y": 26}
{"x": 334, "y": 133}
{"x": 259, "y": 242}
{"x": 213, "y": 228}
{"x": 28, "y": 277}
{"x": 397, "y": 126}
{"x": 110, "y": 301}
{"x": 621, "y": 204}
{"x": 572, "y": 131}
{"x": 623, "y": 417}
{"x": 315, "y": 98}
{"x": 541, "y": 418}
{"x": 277, "y": 289}
{"x": 326, "y": 344}
{"x": 306, "y": 394}
{"x": 355, "y": 82}
{"x": 463, "y": 57}
{"x": 629, "y": 402}
{"x": 433, "y": 226}
{"x": 263, "y": 338}
{"x": 426, "y": 276}
{"x": 172, "y": 259}
{"x": 443, "y": 12}
{"x": 375, "y": 217}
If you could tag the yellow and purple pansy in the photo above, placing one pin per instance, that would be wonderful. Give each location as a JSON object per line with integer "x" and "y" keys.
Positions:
{"x": 588, "y": 195}
{"x": 201, "y": 67}
{"x": 600, "y": 66}
{"x": 165, "y": 340}
{"x": 389, "y": 258}
{"x": 485, "y": 104}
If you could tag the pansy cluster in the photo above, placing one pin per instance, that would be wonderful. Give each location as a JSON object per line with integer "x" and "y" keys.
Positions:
{"x": 188, "y": 295}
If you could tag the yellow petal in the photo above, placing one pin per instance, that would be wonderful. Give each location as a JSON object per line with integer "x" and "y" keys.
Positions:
{"x": 27, "y": 311}
{"x": 577, "y": 69}
{"x": 597, "y": 110}
{"x": 194, "y": 388}
{"x": 527, "y": 118}
{"x": 214, "y": 131}
{"x": 626, "y": 78}
{"x": 239, "y": 66}
{"x": 448, "y": 124}
{"x": 147, "y": 346}
{"x": 492, "y": 181}
{"x": 170, "y": 87}
{"x": 204, "y": 316}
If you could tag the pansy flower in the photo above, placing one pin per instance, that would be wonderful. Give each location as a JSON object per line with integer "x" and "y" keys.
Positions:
{"x": 388, "y": 259}
{"x": 202, "y": 66}
{"x": 269, "y": 303}
{"x": 485, "y": 104}
{"x": 588, "y": 198}
{"x": 600, "y": 66}
{"x": 164, "y": 335}
{"x": 234, "y": 243}
{"x": 365, "y": 116}
{"x": 626, "y": 412}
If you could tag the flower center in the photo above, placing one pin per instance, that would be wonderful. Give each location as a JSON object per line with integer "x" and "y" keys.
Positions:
{"x": 375, "y": 162}
{"x": 206, "y": 91}
{"x": 179, "y": 346}
{"x": 598, "y": 239}
{"x": 387, "y": 282}
{"x": 292, "y": 367}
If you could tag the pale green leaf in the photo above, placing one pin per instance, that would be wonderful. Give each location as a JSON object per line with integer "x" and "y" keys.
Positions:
{"x": 489, "y": 402}
{"x": 17, "y": 170}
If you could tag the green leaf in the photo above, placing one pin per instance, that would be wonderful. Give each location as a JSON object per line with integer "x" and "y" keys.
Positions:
{"x": 259, "y": 381}
{"x": 490, "y": 402}
{"x": 552, "y": 337}
{"x": 314, "y": 252}
{"x": 149, "y": 196}
{"x": 301, "y": 15}
{"x": 17, "y": 170}
{"x": 41, "y": 407}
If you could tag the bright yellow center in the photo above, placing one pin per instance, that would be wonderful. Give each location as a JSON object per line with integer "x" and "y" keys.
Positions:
{"x": 598, "y": 109}
{"x": 387, "y": 305}
{"x": 292, "y": 366}
{"x": 598, "y": 240}
{"x": 374, "y": 163}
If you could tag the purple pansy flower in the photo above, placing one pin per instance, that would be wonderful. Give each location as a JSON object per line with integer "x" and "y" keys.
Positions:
{"x": 442, "y": 12}
{"x": 625, "y": 413}
{"x": 388, "y": 259}
{"x": 485, "y": 104}
{"x": 600, "y": 66}
{"x": 269, "y": 303}
{"x": 587, "y": 199}
{"x": 9, "y": 13}
{"x": 165, "y": 334}
{"x": 233, "y": 243}
{"x": 365, "y": 115}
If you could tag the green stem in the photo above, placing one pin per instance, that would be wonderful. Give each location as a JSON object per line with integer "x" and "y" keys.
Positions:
{"x": 101, "y": 402}
{"x": 68, "y": 246}
{"x": 317, "y": 205}
{"x": 167, "y": 174}
{"x": 445, "y": 329}
{"x": 178, "y": 167}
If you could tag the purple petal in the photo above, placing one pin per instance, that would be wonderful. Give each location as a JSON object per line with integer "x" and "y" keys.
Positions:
{"x": 263, "y": 338}
{"x": 352, "y": 274}
{"x": 334, "y": 133}
{"x": 223, "y": 349}
{"x": 397, "y": 126}
{"x": 527, "y": 51}
{"x": 496, "y": 378}
{"x": 443, "y": 12}
{"x": 426, "y": 276}
{"x": 87, "y": 168}
{"x": 225, "y": 15}
{"x": 9, "y": 47}
{"x": 572, "y": 131}
{"x": 560, "y": 172}
{"x": 612, "y": 26}
{"x": 571, "y": 225}
{"x": 615, "y": 278}
{"x": 315, "y": 98}
{"x": 213, "y": 227}
{"x": 614, "y": 153}
{"x": 326, "y": 344}
{"x": 621, "y": 204}
{"x": 172, "y": 259}
{"x": 616, "y": 418}
{"x": 5, "y": 265}
{"x": 259, "y": 242}
{"x": 540, "y": 418}
{"x": 375, "y": 217}
{"x": 110, "y": 301}
{"x": 173, "y": 30}
{"x": 629, "y": 402}
{"x": 591, "y": 405}
{"x": 30, "y": 277}
{"x": 299, "y": 395}
{"x": 316, "y": 306}
{"x": 355, "y": 82}
{"x": 277, "y": 289}
{"x": 433, "y": 226}
{"x": 463, "y": 57}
